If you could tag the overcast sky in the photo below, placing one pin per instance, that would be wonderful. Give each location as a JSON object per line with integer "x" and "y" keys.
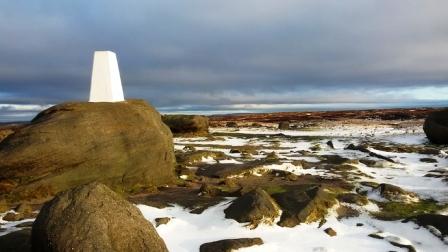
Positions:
{"x": 227, "y": 55}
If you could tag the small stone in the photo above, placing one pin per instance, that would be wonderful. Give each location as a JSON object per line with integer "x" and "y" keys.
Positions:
{"x": 359, "y": 224}
{"x": 13, "y": 217}
{"x": 189, "y": 148}
{"x": 330, "y": 232}
{"x": 428, "y": 160}
{"x": 162, "y": 221}
{"x": 292, "y": 177}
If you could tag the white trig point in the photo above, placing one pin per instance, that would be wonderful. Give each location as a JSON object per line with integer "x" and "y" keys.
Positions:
{"x": 106, "y": 83}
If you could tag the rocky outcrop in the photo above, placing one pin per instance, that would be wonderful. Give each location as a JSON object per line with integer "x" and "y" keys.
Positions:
{"x": 124, "y": 145}
{"x": 395, "y": 193}
{"x": 436, "y": 127}
{"x": 192, "y": 125}
{"x": 254, "y": 207}
{"x": 229, "y": 245}
{"x": 93, "y": 218}
{"x": 305, "y": 204}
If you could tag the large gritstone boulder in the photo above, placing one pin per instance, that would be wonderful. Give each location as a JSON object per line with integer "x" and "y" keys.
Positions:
{"x": 93, "y": 218}
{"x": 187, "y": 124}
{"x": 436, "y": 127}
{"x": 124, "y": 145}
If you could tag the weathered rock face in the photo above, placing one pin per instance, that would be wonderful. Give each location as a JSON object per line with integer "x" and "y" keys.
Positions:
{"x": 124, "y": 145}
{"x": 93, "y": 218}
{"x": 254, "y": 207}
{"x": 187, "y": 124}
{"x": 436, "y": 127}
{"x": 304, "y": 205}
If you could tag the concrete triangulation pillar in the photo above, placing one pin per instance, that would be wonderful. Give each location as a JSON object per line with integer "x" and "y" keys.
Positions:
{"x": 106, "y": 83}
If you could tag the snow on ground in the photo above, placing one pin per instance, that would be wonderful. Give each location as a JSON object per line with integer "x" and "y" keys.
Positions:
{"x": 409, "y": 173}
{"x": 10, "y": 226}
{"x": 349, "y": 130}
{"x": 186, "y": 232}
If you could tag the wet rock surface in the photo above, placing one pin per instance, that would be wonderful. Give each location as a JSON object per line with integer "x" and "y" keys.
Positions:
{"x": 436, "y": 127}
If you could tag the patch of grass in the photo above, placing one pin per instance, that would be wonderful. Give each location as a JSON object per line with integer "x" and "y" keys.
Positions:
{"x": 274, "y": 189}
{"x": 399, "y": 210}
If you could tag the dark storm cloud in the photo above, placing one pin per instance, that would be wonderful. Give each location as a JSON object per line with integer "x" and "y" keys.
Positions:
{"x": 221, "y": 53}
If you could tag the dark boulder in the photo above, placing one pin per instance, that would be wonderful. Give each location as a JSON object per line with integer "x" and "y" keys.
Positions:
{"x": 229, "y": 245}
{"x": 93, "y": 218}
{"x": 124, "y": 145}
{"x": 283, "y": 125}
{"x": 231, "y": 125}
{"x": 187, "y": 124}
{"x": 18, "y": 241}
{"x": 254, "y": 207}
{"x": 436, "y": 127}
{"x": 438, "y": 221}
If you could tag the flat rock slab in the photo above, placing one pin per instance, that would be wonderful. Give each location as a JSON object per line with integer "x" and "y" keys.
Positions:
{"x": 229, "y": 245}
{"x": 183, "y": 196}
{"x": 226, "y": 170}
